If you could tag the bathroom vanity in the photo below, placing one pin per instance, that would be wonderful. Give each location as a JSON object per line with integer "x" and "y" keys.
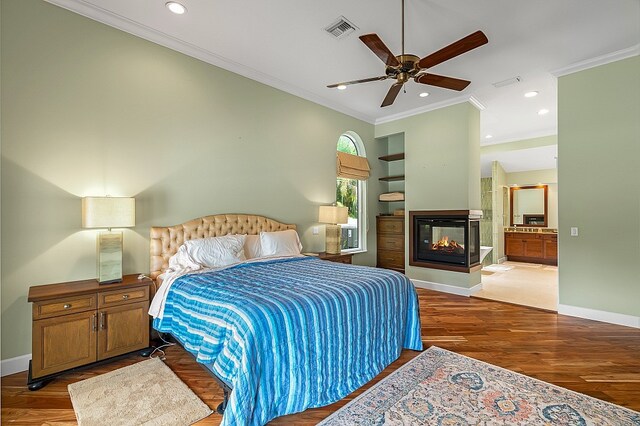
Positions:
{"x": 536, "y": 246}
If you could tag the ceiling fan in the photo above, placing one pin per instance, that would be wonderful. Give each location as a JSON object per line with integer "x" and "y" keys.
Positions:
{"x": 406, "y": 66}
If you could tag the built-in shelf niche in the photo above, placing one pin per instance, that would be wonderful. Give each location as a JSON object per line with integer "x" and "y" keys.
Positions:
{"x": 392, "y": 175}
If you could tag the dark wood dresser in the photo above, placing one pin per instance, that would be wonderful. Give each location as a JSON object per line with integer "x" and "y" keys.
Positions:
{"x": 390, "y": 237}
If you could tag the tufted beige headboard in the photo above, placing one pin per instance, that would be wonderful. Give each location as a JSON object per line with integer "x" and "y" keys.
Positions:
{"x": 165, "y": 240}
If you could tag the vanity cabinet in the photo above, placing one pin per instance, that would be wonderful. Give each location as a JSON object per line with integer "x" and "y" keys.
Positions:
{"x": 532, "y": 247}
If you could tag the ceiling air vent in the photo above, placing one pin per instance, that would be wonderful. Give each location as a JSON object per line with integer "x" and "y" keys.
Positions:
{"x": 341, "y": 28}
{"x": 508, "y": 82}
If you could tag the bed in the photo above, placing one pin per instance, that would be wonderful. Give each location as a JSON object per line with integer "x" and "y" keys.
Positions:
{"x": 283, "y": 333}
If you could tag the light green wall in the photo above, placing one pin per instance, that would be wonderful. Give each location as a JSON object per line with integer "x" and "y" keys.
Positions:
{"x": 519, "y": 144}
{"x": 90, "y": 110}
{"x": 532, "y": 177}
{"x": 599, "y": 172}
{"x": 442, "y": 169}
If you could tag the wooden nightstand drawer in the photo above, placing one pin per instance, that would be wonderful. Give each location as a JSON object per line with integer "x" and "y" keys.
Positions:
{"x": 64, "y": 306}
{"x": 338, "y": 258}
{"x": 119, "y": 297}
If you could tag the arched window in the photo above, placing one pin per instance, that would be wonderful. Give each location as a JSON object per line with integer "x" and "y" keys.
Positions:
{"x": 351, "y": 193}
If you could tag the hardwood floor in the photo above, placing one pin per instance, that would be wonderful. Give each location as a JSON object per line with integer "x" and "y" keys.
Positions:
{"x": 590, "y": 357}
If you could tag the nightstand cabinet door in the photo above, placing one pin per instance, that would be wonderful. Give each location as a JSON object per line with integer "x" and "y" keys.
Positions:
{"x": 65, "y": 342}
{"x": 122, "y": 329}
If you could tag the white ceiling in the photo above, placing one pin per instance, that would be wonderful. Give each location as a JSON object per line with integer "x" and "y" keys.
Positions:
{"x": 282, "y": 43}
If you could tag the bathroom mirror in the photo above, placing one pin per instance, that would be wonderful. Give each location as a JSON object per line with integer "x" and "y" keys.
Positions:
{"x": 529, "y": 206}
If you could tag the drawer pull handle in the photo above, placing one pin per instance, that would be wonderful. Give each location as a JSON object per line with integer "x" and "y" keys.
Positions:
{"x": 67, "y": 305}
{"x": 103, "y": 324}
{"x": 125, "y": 296}
{"x": 95, "y": 322}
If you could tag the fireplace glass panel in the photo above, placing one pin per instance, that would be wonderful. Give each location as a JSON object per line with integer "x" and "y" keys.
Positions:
{"x": 442, "y": 240}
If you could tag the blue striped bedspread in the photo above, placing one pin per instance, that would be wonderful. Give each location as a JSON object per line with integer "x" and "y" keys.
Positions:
{"x": 292, "y": 334}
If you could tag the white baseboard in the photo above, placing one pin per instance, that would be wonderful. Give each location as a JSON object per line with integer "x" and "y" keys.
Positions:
{"x": 446, "y": 288}
{"x": 14, "y": 365}
{"x": 502, "y": 259}
{"x": 596, "y": 315}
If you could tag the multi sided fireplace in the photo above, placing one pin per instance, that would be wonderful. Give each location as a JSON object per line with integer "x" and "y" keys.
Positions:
{"x": 447, "y": 239}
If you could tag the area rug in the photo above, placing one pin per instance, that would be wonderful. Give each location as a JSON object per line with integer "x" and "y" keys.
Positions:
{"x": 439, "y": 387}
{"x": 147, "y": 393}
{"x": 497, "y": 268}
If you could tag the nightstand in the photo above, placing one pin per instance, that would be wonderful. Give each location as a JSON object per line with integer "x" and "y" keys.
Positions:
{"x": 338, "y": 258}
{"x": 81, "y": 322}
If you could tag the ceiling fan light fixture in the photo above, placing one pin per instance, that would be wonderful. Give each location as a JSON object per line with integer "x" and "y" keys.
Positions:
{"x": 176, "y": 7}
{"x": 341, "y": 87}
{"x": 531, "y": 94}
{"x": 543, "y": 111}
{"x": 424, "y": 94}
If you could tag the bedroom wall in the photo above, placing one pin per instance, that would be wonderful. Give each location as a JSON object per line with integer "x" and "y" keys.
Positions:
{"x": 599, "y": 172}
{"x": 90, "y": 110}
{"x": 442, "y": 170}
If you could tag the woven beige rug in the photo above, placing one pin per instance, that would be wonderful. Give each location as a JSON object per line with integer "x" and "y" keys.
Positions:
{"x": 147, "y": 393}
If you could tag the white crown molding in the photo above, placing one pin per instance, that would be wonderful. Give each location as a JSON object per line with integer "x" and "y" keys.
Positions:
{"x": 446, "y": 288}
{"x": 476, "y": 103}
{"x": 14, "y": 365}
{"x": 422, "y": 109}
{"x": 596, "y": 315}
{"x": 597, "y": 61}
{"x": 104, "y": 16}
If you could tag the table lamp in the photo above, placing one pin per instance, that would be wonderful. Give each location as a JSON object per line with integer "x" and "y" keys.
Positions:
{"x": 333, "y": 216}
{"x": 108, "y": 212}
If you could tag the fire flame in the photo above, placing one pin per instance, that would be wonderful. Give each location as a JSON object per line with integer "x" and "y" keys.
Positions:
{"x": 448, "y": 246}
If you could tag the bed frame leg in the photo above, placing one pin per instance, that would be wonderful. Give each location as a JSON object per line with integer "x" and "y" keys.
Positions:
{"x": 223, "y": 405}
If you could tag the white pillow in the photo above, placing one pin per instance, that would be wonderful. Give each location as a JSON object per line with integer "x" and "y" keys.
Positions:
{"x": 280, "y": 243}
{"x": 215, "y": 252}
{"x": 252, "y": 246}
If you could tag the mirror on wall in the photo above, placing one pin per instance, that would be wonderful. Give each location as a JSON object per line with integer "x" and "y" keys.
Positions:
{"x": 529, "y": 206}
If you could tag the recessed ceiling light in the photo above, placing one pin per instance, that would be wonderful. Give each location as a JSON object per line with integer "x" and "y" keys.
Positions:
{"x": 543, "y": 111}
{"x": 176, "y": 8}
{"x": 488, "y": 136}
{"x": 342, "y": 87}
{"x": 424, "y": 94}
{"x": 531, "y": 94}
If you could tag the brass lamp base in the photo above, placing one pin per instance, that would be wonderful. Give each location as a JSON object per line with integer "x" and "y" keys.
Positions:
{"x": 109, "y": 257}
{"x": 332, "y": 244}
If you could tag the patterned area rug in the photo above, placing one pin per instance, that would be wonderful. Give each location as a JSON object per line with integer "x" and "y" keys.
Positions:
{"x": 147, "y": 393}
{"x": 439, "y": 387}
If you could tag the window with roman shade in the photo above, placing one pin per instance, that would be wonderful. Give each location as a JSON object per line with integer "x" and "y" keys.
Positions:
{"x": 352, "y": 169}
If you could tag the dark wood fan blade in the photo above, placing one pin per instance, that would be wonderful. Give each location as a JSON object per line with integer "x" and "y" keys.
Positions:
{"x": 457, "y": 48}
{"x": 442, "y": 81}
{"x": 364, "y": 80}
{"x": 391, "y": 95}
{"x": 376, "y": 45}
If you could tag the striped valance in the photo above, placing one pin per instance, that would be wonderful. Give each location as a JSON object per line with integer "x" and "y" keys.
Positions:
{"x": 352, "y": 166}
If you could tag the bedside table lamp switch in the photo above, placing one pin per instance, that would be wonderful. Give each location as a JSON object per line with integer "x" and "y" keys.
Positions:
{"x": 333, "y": 216}
{"x": 108, "y": 212}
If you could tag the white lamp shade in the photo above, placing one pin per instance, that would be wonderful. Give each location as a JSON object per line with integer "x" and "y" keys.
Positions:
{"x": 333, "y": 214}
{"x": 108, "y": 212}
